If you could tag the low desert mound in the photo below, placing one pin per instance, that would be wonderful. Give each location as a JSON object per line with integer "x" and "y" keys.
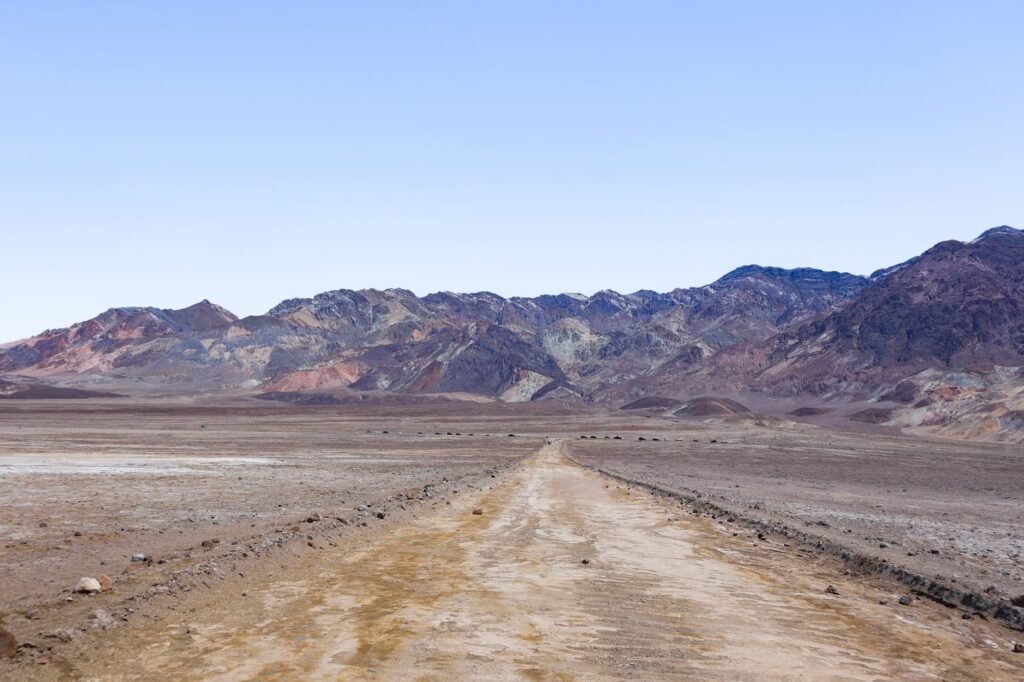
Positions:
{"x": 25, "y": 391}
{"x": 809, "y": 411}
{"x": 710, "y": 406}
{"x": 653, "y": 402}
{"x": 872, "y": 415}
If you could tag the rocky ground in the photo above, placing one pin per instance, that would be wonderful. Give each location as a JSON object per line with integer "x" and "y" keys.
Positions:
{"x": 942, "y": 509}
{"x": 264, "y": 554}
{"x": 192, "y": 489}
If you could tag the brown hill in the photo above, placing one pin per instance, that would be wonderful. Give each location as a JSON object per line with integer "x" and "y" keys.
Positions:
{"x": 958, "y": 305}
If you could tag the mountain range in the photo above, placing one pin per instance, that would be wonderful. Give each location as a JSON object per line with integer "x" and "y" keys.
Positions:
{"x": 934, "y": 344}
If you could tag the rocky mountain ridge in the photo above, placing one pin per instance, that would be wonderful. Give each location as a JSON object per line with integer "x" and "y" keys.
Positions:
{"x": 957, "y": 307}
{"x": 393, "y": 340}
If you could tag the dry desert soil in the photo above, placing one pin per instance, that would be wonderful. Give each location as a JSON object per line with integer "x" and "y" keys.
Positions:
{"x": 476, "y": 541}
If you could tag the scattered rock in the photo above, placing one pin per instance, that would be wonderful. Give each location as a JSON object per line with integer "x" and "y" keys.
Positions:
{"x": 478, "y": 512}
{"x": 831, "y": 590}
{"x": 43, "y": 524}
{"x": 1018, "y": 648}
{"x": 88, "y": 586}
{"x": 585, "y": 562}
{"x": 905, "y": 600}
{"x": 64, "y": 635}
{"x": 106, "y": 583}
{"x": 27, "y": 647}
{"x": 101, "y": 619}
{"x": 8, "y": 644}
{"x": 139, "y": 558}
{"x": 381, "y": 515}
{"x": 313, "y": 518}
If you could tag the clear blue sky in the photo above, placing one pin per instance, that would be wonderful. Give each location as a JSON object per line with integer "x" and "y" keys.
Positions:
{"x": 158, "y": 153}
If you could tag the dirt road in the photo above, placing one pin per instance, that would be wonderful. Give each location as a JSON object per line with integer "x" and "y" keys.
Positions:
{"x": 505, "y": 595}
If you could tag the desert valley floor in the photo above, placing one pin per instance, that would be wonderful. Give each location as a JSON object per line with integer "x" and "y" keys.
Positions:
{"x": 462, "y": 540}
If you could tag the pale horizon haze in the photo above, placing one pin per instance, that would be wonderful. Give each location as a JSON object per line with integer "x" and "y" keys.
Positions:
{"x": 248, "y": 152}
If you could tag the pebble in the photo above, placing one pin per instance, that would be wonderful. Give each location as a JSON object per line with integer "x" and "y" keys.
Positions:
{"x": 831, "y": 590}
{"x": 478, "y": 512}
{"x": 88, "y": 586}
{"x": 585, "y": 562}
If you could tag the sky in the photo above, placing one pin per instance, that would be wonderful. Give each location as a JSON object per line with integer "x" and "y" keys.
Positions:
{"x": 160, "y": 153}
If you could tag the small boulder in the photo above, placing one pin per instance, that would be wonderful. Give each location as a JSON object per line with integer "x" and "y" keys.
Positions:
{"x": 831, "y": 590}
{"x": 313, "y": 518}
{"x": 905, "y": 600}
{"x": 138, "y": 558}
{"x": 88, "y": 586}
{"x": 478, "y": 512}
{"x": 8, "y": 644}
{"x": 1018, "y": 648}
{"x": 106, "y": 583}
{"x": 381, "y": 515}
{"x": 585, "y": 562}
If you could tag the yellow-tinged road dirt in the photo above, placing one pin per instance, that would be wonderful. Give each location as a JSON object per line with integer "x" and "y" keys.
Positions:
{"x": 505, "y": 595}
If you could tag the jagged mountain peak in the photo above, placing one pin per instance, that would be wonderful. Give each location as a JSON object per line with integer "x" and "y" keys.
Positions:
{"x": 988, "y": 242}
{"x": 791, "y": 274}
{"x": 1000, "y": 231}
